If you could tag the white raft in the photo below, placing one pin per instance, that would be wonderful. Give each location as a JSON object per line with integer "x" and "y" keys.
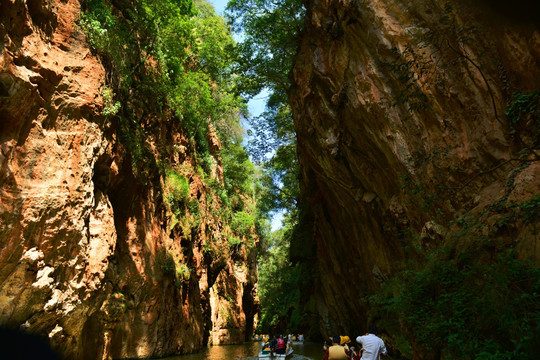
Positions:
{"x": 268, "y": 355}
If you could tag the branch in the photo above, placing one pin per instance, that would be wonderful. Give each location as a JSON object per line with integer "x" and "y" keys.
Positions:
{"x": 483, "y": 77}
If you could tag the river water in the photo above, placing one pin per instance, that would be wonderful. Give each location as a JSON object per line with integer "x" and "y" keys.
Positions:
{"x": 249, "y": 351}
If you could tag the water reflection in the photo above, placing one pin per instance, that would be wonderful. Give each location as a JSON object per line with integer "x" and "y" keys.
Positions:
{"x": 249, "y": 351}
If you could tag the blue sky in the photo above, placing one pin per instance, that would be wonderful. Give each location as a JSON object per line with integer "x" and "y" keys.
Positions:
{"x": 219, "y": 5}
{"x": 255, "y": 106}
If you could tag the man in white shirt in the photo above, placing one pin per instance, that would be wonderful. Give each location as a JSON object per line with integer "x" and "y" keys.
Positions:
{"x": 372, "y": 345}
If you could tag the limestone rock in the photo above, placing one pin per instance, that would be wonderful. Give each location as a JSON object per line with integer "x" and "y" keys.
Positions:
{"x": 89, "y": 256}
{"x": 408, "y": 99}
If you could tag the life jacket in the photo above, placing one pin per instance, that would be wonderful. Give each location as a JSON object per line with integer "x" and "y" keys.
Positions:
{"x": 280, "y": 344}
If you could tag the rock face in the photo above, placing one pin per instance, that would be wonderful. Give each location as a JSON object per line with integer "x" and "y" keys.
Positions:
{"x": 89, "y": 255}
{"x": 403, "y": 111}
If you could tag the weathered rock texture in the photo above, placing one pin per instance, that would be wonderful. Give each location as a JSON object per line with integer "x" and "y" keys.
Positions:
{"x": 400, "y": 108}
{"x": 88, "y": 255}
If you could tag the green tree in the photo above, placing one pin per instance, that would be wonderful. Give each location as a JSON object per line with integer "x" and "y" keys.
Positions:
{"x": 269, "y": 32}
{"x": 278, "y": 290}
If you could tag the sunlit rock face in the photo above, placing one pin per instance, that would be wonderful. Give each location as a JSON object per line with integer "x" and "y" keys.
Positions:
{"x": 400, "y": 110}
{"x": 89, "y": 256}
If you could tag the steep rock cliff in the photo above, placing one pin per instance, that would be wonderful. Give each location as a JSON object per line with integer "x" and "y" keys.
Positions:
{"x": 404, "y": 132}
{"x": 90, "y": 255}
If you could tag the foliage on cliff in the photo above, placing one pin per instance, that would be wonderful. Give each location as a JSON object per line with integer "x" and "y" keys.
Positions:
{"x": 169, "y": 54}
{"x": 470, "y": 296}
{"x": 170, "y": 64}
{"x": 459, "y": 305}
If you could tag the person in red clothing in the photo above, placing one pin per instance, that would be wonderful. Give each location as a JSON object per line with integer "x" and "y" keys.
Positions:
{"x": 281, "y": 345}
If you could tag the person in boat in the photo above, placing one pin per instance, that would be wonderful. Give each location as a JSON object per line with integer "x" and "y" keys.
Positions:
{"x": 355, "y": 354}
{"x": 345, "y": 341}
{"x": 281, "y": 345}
{"x": 301, "y": 337}
{"x": 335, "y": 351}
{"x": 273, "y": 343}
{"x": 372, "y": 345}
{"x": 266, "y": 349}
{"x": 268, "y": 342}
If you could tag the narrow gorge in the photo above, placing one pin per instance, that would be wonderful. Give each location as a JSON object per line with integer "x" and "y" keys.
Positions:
{"x": 133, "y": 223}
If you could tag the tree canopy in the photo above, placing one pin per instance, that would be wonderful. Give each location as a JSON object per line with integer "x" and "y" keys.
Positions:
{"x": 268, "y": 32}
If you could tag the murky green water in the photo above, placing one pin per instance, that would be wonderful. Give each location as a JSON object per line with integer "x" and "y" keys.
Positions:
{"x": 249, "y": 351}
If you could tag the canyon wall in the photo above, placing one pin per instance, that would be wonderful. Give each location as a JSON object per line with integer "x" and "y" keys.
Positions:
{"x": 91, "y": 257}
{"x": 413, "y": 119}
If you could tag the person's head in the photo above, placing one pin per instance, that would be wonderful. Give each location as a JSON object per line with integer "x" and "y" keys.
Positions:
{"x": 336, "y": 340}
{"x": 372, "y": 329}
